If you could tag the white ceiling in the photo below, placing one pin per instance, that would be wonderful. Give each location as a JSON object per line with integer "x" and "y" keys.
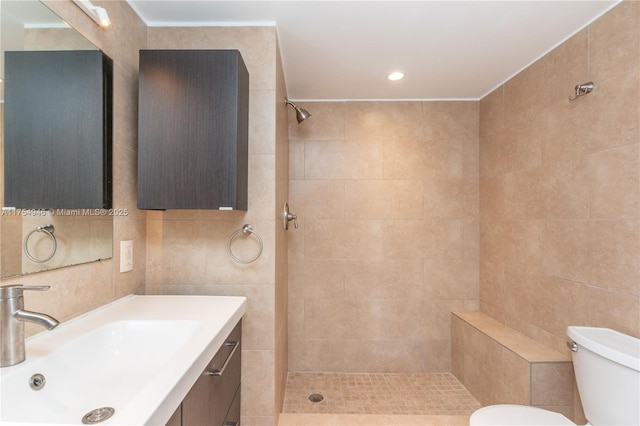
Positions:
{"x": 345, "y": 49}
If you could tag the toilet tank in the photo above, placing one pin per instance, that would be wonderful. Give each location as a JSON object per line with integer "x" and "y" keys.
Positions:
{"x": 607, "y": 368}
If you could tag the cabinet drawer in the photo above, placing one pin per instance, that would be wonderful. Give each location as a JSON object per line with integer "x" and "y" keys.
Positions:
{"x": 233, "y": 416}
{"x": 211, "y": 396}
{"x": 224, "y": 386}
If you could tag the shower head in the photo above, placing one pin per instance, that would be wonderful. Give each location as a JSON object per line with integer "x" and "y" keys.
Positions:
{"x": 301, "y": 114}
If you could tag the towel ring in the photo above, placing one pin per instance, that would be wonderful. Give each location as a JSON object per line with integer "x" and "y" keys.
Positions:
{"x": 246, "y": 230}
{"x": 47, "y": 229}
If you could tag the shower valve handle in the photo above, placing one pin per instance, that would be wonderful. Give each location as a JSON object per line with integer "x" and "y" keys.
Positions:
{"x": 293, "y": 217}
{"x": 288, "y": 216}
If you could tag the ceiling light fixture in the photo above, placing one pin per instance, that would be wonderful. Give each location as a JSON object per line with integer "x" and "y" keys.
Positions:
{"x": 98, "y": 14}
{"x": 396, "y": 75}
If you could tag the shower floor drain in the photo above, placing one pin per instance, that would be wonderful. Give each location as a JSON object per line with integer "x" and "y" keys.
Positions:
{"x": 316, "y": 397}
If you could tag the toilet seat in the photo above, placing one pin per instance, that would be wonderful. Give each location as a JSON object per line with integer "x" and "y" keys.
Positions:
{"x": 506, "y": 414}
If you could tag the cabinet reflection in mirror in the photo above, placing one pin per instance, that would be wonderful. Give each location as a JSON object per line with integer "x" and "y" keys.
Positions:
{"x": 61, "y": 217}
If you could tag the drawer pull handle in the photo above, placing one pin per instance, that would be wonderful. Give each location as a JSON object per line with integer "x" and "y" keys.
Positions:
{"x": 230, "y": 424}
{"x": 220, "y": 371}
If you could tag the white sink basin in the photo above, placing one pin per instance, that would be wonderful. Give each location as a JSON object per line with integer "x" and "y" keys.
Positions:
{"x": 139, "y": 355}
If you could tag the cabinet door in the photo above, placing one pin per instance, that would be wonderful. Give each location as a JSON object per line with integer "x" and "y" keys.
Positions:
{"x": 193, "y": 130}
{"x": 58, "y": 137}
{"x": 197, "y": 406}
{"x": 176, "y": 418}
{"x": 233, "y": 416}
{"x": 209, "y": 400}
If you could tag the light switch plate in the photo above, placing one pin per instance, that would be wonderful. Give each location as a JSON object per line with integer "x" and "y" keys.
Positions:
{"x": 126, "y": 256}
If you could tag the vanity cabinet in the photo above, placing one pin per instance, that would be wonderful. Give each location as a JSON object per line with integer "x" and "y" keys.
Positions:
{"x": 214, "y": 400}
{"x": 193, "y": 130}
{"x": 57, "y": 129}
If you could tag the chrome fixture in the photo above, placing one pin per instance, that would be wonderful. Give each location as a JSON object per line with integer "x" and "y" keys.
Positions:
{"x": 582, "y": 89}
{"x": 12, "y": 318}
{"x": 48, "y": 230}
{"x": 316, "y": 397}
{"x": 220, "y": 371}
{"x": 37, "y": 382}
{"x": 245, "y": 230}
{"x": 98, "y": 415}
{"x": 287, "y": 217}
{"x": 301, "y": 114}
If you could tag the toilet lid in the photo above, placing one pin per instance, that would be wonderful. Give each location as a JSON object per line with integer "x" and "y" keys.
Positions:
{"x": 496, "y": 415}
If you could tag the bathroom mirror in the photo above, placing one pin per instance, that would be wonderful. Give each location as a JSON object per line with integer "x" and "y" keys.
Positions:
{"x": 39, "y": 239}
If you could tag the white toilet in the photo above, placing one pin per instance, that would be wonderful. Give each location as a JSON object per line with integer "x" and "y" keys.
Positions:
{"x": 607, "y": 368}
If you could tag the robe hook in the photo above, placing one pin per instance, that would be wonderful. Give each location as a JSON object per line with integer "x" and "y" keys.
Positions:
{"x": 582, "y": 89}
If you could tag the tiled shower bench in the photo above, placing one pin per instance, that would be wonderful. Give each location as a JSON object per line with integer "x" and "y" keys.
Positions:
{"x": 500, "y": 365}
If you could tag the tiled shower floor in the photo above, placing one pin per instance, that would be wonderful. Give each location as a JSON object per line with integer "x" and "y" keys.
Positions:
{"x": 349, "y": 393}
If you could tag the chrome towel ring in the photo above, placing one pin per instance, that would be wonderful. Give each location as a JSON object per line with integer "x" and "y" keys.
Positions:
{"x": 246, "y": 230}
{"x": 47, "y": 229}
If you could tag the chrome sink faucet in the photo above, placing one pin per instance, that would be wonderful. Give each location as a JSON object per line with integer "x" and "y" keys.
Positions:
{"x": 12, "y": 318}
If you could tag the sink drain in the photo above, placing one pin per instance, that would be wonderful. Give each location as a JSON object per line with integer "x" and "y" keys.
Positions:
{"x": 316, "y": 397}
{"x": 37, "y": 382}
{"x": 98, "y": 415}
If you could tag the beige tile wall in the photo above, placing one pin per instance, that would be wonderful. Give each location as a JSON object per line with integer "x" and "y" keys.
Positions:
{"x": 78, "y": 289}
{"x": 560, "y": 187}
{"x": 187, "y": 249}
{"x": 386, "y": 194}
{"x": 282, "y": 240}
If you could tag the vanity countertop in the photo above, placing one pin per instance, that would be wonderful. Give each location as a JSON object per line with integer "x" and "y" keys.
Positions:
{"x": 139, "y": 355}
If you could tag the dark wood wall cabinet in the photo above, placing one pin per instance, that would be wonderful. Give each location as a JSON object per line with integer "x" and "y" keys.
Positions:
{"x": 214, "y": 400}
{"x": 193, "y": 130}
{"x": 58, "y": 129}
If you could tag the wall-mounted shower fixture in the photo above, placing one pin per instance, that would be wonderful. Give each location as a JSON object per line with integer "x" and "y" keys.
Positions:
{"x": 582, "y": 89}
{"x": 288, "y": 216}
{"x": 301, "y": 114}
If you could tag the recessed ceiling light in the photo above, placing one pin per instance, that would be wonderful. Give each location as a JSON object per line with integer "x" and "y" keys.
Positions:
{"x": 396, "y": 75}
